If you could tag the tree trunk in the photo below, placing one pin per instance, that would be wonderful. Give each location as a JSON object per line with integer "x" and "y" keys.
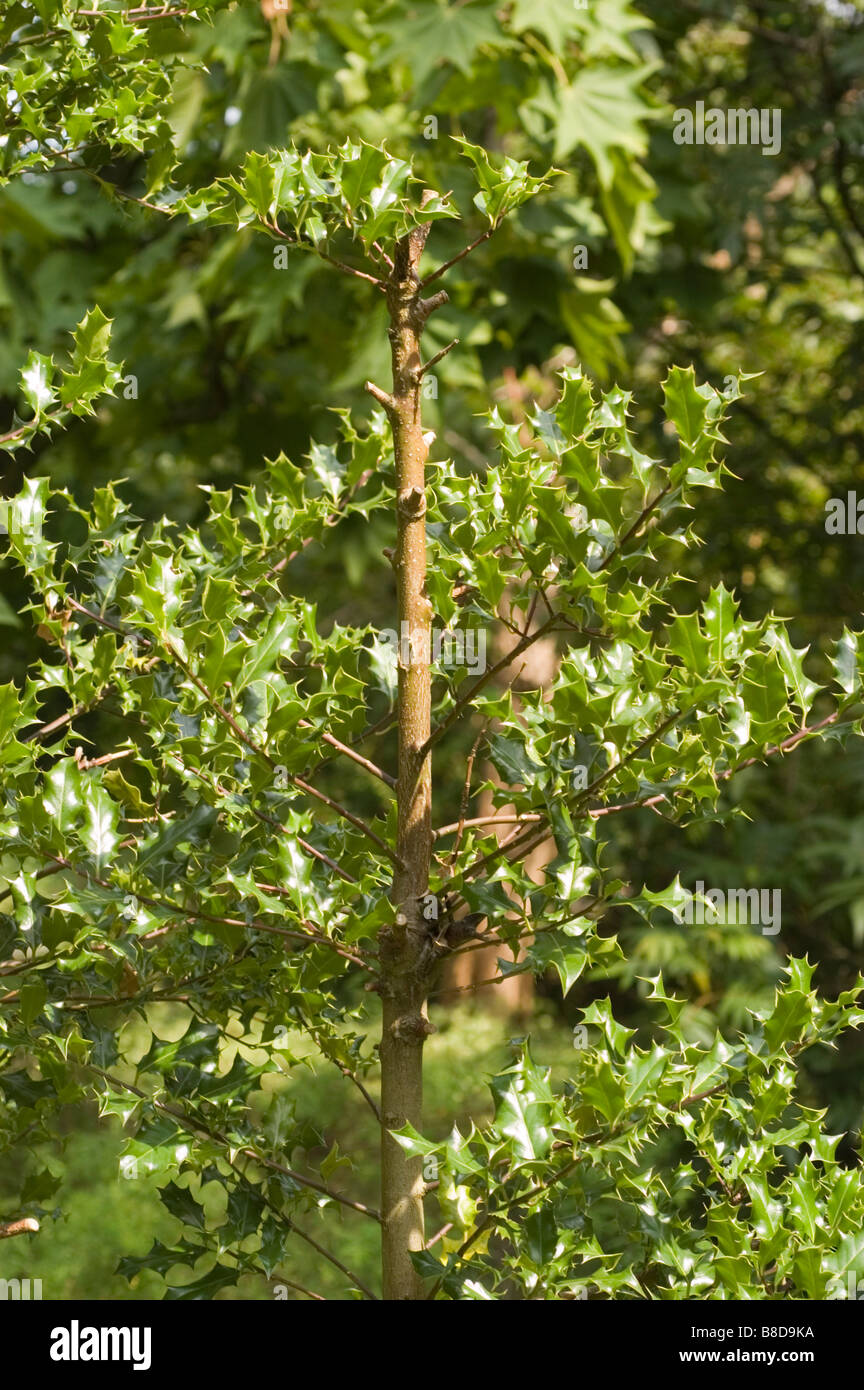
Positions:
{"x": 404, "y": 944}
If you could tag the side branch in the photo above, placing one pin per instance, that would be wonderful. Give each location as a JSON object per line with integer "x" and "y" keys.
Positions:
{"x": 522, "y": 842}
{"x": 310, "y": 936}
{"x": 466, "y": 251}
{"x": 254, "y": 747}
{"x": 197, "y": 1126}
{"x": 427, "y": 366}
{"x": 323, "y": 255}
{"x": 785, "y": 746}
{"x": 507, "y": 660}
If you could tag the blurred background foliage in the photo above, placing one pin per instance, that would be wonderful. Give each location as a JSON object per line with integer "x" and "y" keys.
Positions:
{"x": 723, "y": 257}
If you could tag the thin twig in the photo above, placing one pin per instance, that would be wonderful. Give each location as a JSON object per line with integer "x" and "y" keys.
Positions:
{"x": 466, "y": 700}
{"x": 196, "y": 1125}
{"x": 310, "y": 935}
{"x": 254, "y": 747}
{"x": 427, "y": 366}
{"x": 466, "y": 251}
{"x": 461, "y": 824}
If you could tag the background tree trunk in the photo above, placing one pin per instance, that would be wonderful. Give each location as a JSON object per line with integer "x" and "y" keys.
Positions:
{"x": 514, "y": 996}
{"x": 536, "y": 668}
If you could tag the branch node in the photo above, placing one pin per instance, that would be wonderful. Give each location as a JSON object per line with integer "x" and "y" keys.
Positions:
{"x": 425, "y": 307}
{"x": 412, "y": 503}
{"x": 412, "y": 1028}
